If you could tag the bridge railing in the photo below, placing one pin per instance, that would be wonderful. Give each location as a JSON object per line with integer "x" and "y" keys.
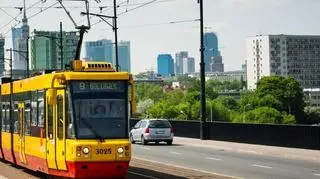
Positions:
{"x": 296, "y": 136}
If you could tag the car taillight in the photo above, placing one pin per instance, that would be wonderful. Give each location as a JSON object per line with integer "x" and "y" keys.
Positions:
{"x": 147, "y": 130}
{"x": 171, "y": 130}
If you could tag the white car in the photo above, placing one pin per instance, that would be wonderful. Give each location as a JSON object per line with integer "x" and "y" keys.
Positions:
{"x": 152, "y": 130}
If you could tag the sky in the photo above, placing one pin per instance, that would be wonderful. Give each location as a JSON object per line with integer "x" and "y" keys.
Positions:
{"x": 154, "y": 29}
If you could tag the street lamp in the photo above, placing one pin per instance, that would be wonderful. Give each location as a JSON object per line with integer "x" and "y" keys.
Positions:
{"x": 244, "y": 114}
{"x": 202, "y": 78}
{"x": 184, "y": 114}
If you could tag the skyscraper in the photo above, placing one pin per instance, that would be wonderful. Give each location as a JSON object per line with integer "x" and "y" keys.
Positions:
{"x": 179, "y": 62}
{"x": 46, "y": 52}
{"x": 100, "y": 50}
{"x": 216, "y": 64}
{"x": 20, "y": 38}
{"x": 2, "y": 60}
{"x": 165, "y": 65}
{"x": 124, "y": 56}
{"x": 188, "y": 65}
{"x": 211, "y": 49}
{"x": 284, "y": 55}
{"x": 16, "y": 36}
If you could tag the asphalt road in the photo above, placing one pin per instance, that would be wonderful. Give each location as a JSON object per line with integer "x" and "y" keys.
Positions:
{"x": 139, "y": 169}
{"x": 239, "y": 165}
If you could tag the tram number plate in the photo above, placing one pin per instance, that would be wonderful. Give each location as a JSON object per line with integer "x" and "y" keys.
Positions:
{"x": 103, "y": 151}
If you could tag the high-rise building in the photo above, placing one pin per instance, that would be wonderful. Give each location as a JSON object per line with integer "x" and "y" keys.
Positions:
{"x": 179, "y": 62}
{"x": 188, "y": 65}
{"x": 211, "y": 49}
{"x": 2, "y": 60}
{"x": 284, "y": 55}
{"x": 124, "y": 56}
{"x": 46, "y": 52}
{"x": 216, "y": 64}
{"x": 20, "y": 39}
{"x": 16, "y": 36}
{"x": 100, "y": 50}
{"x": 165, "y": 65}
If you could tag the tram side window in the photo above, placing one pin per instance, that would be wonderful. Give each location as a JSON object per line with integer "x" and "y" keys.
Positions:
{"x": 27, "y": 110}
{"x": 60, "y": 116}
{"x": 50, "y": 121}
{"x": 70, "y": 128}
{"x": 34, "y": 108}
{"x": 41, "y": 111}
{"x": 15, "y": 118}
{"x": 6, "y": 121}
{"x": 3, "y": 116}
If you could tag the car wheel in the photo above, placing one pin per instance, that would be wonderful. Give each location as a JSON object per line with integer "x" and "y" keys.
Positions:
{"x": 169, "y": 142}
{"x": 131, "y": 139}
{"x": 143, "y": 141}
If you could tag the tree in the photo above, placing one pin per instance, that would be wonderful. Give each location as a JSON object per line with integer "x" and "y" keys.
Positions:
{"x": 228, "y": 102}
{"x": 143, "y": 106}
{"x": 287, "y": 91}
{"x": 146, "y": 91}
{"x": 263, "y": 115}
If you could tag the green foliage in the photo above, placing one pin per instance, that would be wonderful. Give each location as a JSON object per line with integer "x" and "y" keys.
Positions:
{"x": 288, "y": 119}
{"x": 146, "y": 91}
{"x": 263, "y": 115}
{"x": 143, "y": 106}
{"x": 225, "y": 85}
{"x": 277, "y": 100}
{"x": 219, "y": 112}
{"x": 228, "y": 102}
{"x": 287, "y": 91}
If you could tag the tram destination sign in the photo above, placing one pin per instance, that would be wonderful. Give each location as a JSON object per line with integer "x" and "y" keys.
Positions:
{"x": 98, "y": 86}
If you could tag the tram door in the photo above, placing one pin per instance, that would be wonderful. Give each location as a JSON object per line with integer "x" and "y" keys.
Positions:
{"x": 22, "y": 128}
{"x": 50, "y": 135}
{"x": 61, "y": 131}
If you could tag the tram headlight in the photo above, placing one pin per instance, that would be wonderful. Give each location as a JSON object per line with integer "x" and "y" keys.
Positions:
{"x": 120, "y": 150}
{"x": 85, "y": 150}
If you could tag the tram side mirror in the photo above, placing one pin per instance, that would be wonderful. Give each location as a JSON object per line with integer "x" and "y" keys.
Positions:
{"x": 52, "y": 96}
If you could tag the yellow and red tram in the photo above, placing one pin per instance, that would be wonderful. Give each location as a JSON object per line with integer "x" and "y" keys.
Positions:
{"x": 69, "y": 123}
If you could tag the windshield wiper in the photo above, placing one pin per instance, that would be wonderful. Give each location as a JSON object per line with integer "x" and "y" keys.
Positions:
{"x": 98, "y": 136}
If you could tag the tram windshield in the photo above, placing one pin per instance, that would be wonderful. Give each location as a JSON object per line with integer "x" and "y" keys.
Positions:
{"x": 100, "y": 109}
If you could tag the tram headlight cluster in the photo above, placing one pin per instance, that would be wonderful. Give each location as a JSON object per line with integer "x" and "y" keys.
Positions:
{"x": 120, "y": 150}
{"x": 86, "y": 150}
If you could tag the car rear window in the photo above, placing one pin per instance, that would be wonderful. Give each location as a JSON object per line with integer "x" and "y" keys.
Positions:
{"x": 159, "y": 124}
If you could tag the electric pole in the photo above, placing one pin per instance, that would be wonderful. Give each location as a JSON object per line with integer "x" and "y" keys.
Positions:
{"x": 115, "y": 29}
{"x": 61, "y": 47}
{"x": 202, "y": 78}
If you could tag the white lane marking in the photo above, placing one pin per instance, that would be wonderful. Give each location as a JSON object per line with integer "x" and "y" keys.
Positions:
{"x": 211, "y": 158}
{"x": 3, "y": 177}
{"x": 146, "y": 148}
{"x": 139, "y": 174}
{"x": 176, "y": 153}
{"x": 262, "y": 166}
{"x": 187, "y": 168}
{"x": 317, "y": 174}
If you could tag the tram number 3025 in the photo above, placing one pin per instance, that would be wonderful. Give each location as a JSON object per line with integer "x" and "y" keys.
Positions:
{"x": 103, "y": 151}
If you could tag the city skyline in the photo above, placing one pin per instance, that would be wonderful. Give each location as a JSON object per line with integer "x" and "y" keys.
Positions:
{"x": 247, "y": 17}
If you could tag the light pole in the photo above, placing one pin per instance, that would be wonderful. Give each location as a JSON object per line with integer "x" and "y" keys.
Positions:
{"x": 184, "y": 114}
{"x": 202, "y": 78}
{"x": 244, "y": 114}
{"x": 211, "y": 110}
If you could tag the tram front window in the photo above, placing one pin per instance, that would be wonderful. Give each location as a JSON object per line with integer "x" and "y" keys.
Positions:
{"x": 100, "y": 114}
